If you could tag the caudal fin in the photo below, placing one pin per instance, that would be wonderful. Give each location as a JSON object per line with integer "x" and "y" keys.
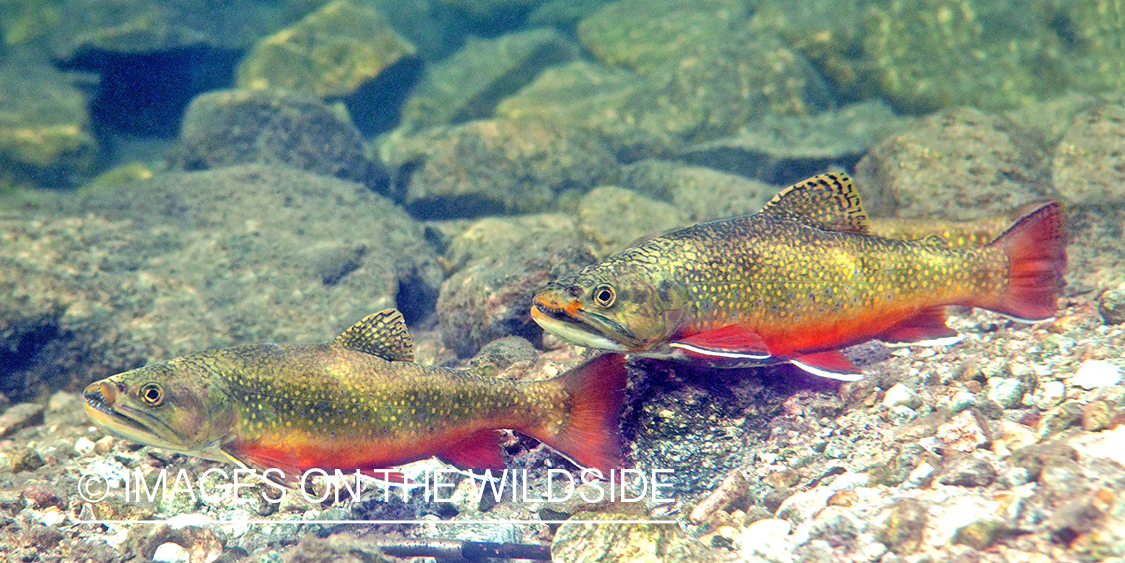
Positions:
{"x": 590, "y": 435}
{"x": 1036, "y": 249}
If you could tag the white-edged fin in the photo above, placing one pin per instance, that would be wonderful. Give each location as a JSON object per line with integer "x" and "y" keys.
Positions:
{"x": 697, "y": 352}
{"x": 1024, "y": 321}
{"x": 943, "y": 341}
{"x": 827, "y": 374}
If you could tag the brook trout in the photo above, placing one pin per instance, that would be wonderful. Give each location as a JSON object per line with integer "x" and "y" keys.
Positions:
{"x": 358, "y": 402}
{"x": 799, "y": 281}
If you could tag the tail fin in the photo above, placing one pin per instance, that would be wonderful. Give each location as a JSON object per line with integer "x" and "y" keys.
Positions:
{"x": 590, "y": 434}
{"x": 1036, "y": 249}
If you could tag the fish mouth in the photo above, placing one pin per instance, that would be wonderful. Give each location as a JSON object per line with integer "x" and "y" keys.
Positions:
{"x": 100, "y": 399}
{"x": 578, "y": 326}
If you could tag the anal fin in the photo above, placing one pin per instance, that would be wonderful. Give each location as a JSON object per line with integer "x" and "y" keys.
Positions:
{"x": 732, "y": 344}
{"x": 832, "y": 364}
{"x": 479, "y": 450}
{"x": 925, "y": 328}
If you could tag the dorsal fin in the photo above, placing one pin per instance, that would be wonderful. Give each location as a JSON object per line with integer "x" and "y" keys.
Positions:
{"x": 382, "y": 334}
{"x": 827, "y": 201}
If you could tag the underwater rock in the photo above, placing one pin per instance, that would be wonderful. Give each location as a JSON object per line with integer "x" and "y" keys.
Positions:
{"x": 648, "y": 34}
{"x": 469, "y": 84}
{"x": 784, "y": 149}
{"x": 830, "y": 34}
{"x": 1111, "y": 305}
{"x": 941, "y": 53}
{"x": 612, "y": 218}
{"x": 331, "y": 52}
{"x": 1093, "y": 32}
{"x": 695, "y": 73}
{"x": 902, "y": 529}
{"x": 596, "y": 98}
{"x": 1087, "y": 164}
{"x": 20, "y": 416}
{"x": 958, "y": 164}
{"x": 699, "y": 193}
{"x": 189, "y": 261}
{"x": 229, "y": 127}
{"x": 45, "y": 135}
{"x": 98, "y": 28}
{"x": 494, "y": 166}
{"x": 496, "y": 266}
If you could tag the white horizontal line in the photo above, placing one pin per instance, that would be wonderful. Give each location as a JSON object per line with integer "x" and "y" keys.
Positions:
{"x": 375, "y": 522}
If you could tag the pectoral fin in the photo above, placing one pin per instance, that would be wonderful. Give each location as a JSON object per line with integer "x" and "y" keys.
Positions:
{"x": 731, "y": 344}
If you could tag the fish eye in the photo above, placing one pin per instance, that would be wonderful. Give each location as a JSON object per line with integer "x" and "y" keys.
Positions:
{"x": 604, "y": 295}
{"x": 152, "y": 394}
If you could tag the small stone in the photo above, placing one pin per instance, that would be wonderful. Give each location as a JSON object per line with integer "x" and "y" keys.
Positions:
{"x": 968, "y": 472}
{"x": 169, "y": 552}
{"x": 900, "y": 394}
{"x": 766, "y": 539}
{"x": 805, "y": 504}
{"x": 1050, "y": 394}
{"x": 1096, "y": 416}
{"x": 901, "y": 414}
{"x": 84, "y": 446}
{"x": 1006, "y": 391}
{"x": 1011, "y": 436}
{"x": 919, "y": 476}
{"x": 1111, "y": 306}
{"x": 962, "y": 433}
{"x": 835, "y": 523}
{"x": 1060, "y": 418}
{"x": 963, "y": 400}
{"x": 1109, "y": 444}
{"x": 1096, "y": 373}
{"x": 981, "y": 533}
{"x": 20, "y": 416}
{"x": 27, "y": 460}
{"x": 104, "y": 445}
{"x": 903, "y": 527}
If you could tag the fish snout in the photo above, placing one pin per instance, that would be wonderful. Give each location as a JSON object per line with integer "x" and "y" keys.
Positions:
{"x": 100, "y": 393}
{"x": 554, "y": 302}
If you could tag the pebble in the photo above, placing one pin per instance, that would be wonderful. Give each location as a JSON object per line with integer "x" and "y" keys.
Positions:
{"x": 902, "y": 414}
{"x": 962, "y": 400}
{"x": 805, "y": 504}
{"x": 918, "y": 476}
{"x": 962, "y": 433}
{"x": 766, "y": 539}
{"x": 1093, "y": 374}
{"x": 1006, "y": 391}
{"x": 169, "y": 552}
{"x": 84, "y": 446}
{"x": 1111, "y": 306}
{"x": 1108, "y": 444}
{"x": 1050, "y": 394}
{"x": 901, "y": 395}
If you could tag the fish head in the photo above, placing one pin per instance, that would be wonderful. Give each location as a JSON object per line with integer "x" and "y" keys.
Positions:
{"x": 177, "y": 405}
{"x": 608, "y": 306}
